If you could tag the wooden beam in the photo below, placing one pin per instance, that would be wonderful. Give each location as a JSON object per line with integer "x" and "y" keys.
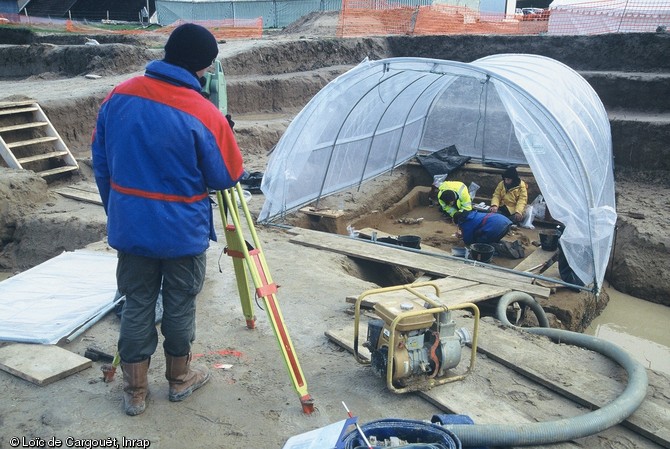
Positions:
{"x": 78, "y": 194}
{"x": 469, "y": 291}
{"x": 473, "y": 166}
{"x": 438, "y": 266}
{"x": 535, "y": 260}
{"x": 445, "y": 284}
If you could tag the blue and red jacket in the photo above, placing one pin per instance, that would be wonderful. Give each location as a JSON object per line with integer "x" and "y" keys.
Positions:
{"x": 478, "y": 227}
{"x": 158, "y": 147}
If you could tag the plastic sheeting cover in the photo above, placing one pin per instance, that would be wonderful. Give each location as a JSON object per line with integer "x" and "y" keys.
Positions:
{"x": 512, "y": 108}
{"x": 50, "y": 301}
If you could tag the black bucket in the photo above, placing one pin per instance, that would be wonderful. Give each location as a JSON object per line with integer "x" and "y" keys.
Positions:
{"x": 549, "y": 239}
{"x": 481, "y": 252}
{"x": 410, "y": 241}
{"x": 389, "y": 240}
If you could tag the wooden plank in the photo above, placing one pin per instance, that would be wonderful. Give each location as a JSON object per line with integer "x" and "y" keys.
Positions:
{"x": 16, "y": 110}
{"x": 439, "y": 266}
{"x": 401, "y": 256}
{"x": 474, "y": 294}
{"x": 468, "y": 291}
{"x": 582, "y": 385}
{"x": 57, "y": 170}
{"x": 22, "y": 126}
{"x": 90, "y": 187}
{"x": 12, "y": 104}
{"x": 39, "y": 157}
{"x": 326, "y": 213}
{"x": 78, "y": 194}
{"x": 537, "y": 257}
{"x": 40, "y": 364}
{"x": 445, "y": 285}
{"x": 23, "y": 143}
{"x": 473, "y": 166}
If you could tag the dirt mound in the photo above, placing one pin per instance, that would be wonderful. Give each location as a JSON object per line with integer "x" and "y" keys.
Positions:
{"x": 48, "y": 61}
{"x": 317, "y": 23}
{"x": 37, "y": 224}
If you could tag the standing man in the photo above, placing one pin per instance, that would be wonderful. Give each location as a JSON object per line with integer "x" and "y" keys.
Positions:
{"x": 158, "y": 147}
{"x": 511, "y": 196}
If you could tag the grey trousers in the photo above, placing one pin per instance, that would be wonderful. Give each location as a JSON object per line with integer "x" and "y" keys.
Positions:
{"x": 141, "y": 279}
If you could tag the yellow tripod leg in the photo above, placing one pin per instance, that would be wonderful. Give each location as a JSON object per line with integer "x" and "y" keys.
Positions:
{"x": 265, "y": 289}
{"x": 234, "y": 249}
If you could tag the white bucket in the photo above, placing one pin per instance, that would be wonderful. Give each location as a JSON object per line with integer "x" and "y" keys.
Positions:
{"x": 247, "y": 198}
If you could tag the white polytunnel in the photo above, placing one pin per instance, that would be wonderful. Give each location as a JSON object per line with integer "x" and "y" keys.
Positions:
{"x": 506, "y": 108}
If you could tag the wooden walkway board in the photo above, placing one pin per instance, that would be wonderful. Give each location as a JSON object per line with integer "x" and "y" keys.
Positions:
{"x": 452, "y": 292}
{"x": 446, "y": 285}
{"x": 437, "y": 266}
{"x": 86, "y": 192}
{"x": 40, "y": 364}
{"x": 473, "y": 166}
{"x": 535, "y": 260}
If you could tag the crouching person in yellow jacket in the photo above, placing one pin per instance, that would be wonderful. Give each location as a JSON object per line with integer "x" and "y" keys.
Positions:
{"x": 511, "y": 196}
{"x": 453, "y": 197}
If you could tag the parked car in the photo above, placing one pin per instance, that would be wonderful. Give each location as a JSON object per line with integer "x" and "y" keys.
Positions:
{"x": 534, "y": 14}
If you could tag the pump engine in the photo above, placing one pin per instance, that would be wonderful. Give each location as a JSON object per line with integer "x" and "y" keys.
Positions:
{"x": 423, "y": 342}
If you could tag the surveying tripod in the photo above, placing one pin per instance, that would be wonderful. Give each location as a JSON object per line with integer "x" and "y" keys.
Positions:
{"x": 250, "y": 257}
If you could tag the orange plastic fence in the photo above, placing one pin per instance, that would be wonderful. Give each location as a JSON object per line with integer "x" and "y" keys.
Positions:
{"x": 227, "y": 28}
{"x": 378, "y": 17}
{"x": 221, "y": 29}
{"x": 366, "y": 18}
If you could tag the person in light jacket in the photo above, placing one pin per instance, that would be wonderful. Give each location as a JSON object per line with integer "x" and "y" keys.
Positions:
{"x": 453, "y": 196}
{"x": 510, "y": 196}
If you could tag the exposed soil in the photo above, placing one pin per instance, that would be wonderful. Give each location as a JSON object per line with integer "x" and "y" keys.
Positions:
{"x": 252, "y": 404}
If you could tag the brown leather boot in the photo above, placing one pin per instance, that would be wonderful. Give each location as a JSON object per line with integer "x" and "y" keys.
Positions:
{"x": 183, "y": 378}
{"x": 135, "y": 386}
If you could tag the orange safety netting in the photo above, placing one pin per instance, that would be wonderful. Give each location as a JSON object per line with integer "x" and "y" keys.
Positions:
{"x": 221, "y": 29}
{"x": 358, "y": 19}
{"x": 227, "y": 28}
{"x": 378, "y": 18}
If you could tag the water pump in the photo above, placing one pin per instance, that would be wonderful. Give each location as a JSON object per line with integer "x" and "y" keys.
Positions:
{"x": 414, "y": 344}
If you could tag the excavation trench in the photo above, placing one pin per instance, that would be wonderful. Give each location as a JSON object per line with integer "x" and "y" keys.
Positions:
{"x": 36, "y": 223}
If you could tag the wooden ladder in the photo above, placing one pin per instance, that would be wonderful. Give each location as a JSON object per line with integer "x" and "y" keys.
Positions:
{"x": 29, "y": 141}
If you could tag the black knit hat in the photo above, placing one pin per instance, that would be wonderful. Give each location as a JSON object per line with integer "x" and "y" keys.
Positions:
{"x": 510, "y": 173}
{"x": 192, "y": 47}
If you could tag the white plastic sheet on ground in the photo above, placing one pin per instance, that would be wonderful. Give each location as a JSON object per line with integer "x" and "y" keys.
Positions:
{"x": 48, "y": 302}
{"x": 512, "y": 108}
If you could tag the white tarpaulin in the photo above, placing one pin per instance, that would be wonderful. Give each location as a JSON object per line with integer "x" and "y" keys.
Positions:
{"x": 574, "y": 17}
{"x": 511, "y": 108}
{"x": 50, "y": 301}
